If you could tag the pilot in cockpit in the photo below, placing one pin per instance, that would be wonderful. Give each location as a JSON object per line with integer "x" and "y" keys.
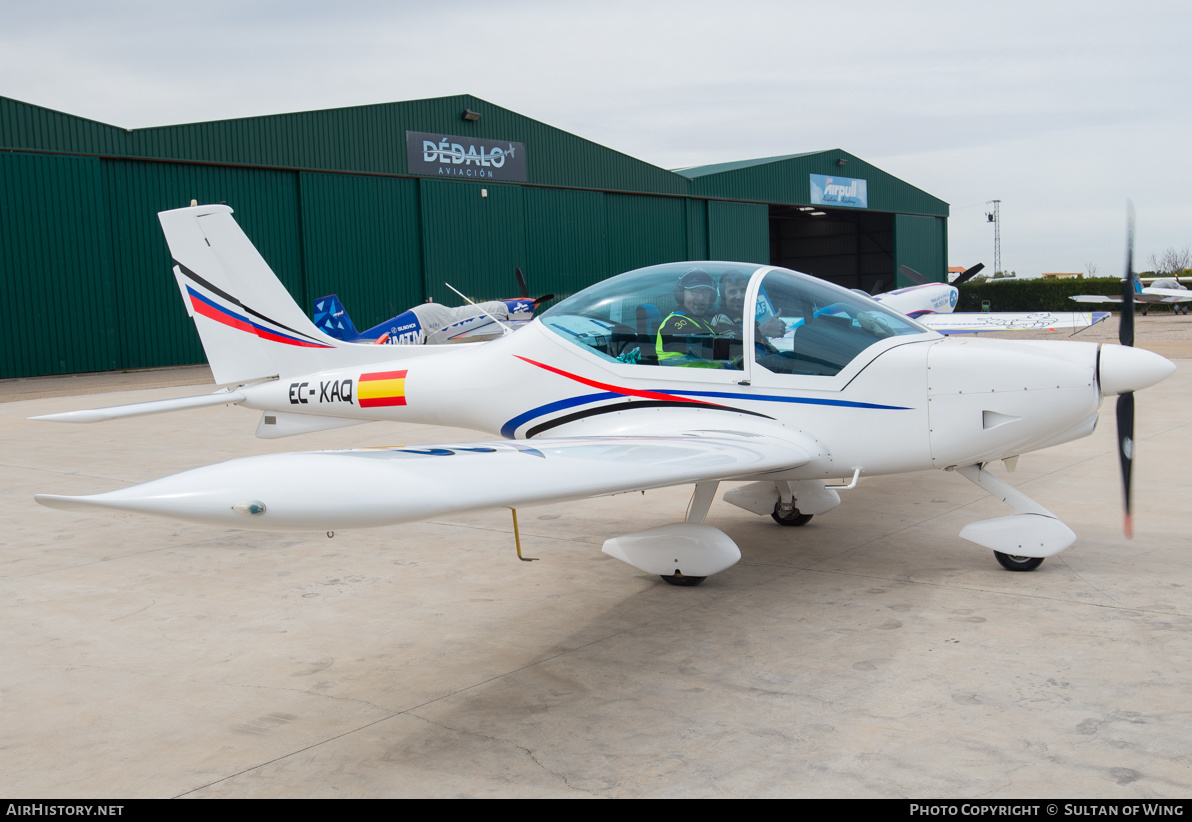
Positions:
{"x": 687, "y": 337}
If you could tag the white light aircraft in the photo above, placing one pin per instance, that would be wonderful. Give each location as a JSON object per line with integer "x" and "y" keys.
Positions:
{"x": 933, "y": 305}
{"x": 1162, "y": 291}
{"x": 624, "y": 387}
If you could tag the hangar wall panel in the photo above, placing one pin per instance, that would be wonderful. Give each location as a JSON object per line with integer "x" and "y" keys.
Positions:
{"x": 55, "y": 273}
{"x": 566, "y": 241}
{"x": 921, "y": 243}
{"x": 152, "y": 320}
{"x": 471, "y": 241}
{"x": 697, "y": 229}
{"x": 644, "y": 230}
{"x": 738, "y": 231}
{"x": 360, "y": 240}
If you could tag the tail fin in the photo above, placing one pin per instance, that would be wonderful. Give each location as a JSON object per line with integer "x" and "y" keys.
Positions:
{"x": 250, "y": 326}
{"x": 1137, "y": 282}
{"x": 332, "y": 318}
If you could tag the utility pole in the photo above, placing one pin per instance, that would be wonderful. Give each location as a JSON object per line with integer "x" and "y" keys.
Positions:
{"x": 995, "y": 217}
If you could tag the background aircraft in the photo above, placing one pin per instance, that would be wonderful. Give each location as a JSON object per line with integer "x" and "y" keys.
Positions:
{"x": 863, "y": 390}
{"x": 1164, "y": 291}
{"x": 933, "y": 305}
{"x": 432, "y": 323}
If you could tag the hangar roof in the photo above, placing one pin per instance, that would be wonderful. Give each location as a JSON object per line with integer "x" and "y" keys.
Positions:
{"x": 692, "y": 172}
{"x": 373, "y": 140}
{"x": 785, "y": 180}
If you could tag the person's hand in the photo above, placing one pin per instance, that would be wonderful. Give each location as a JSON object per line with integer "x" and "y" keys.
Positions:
{"x": 773, "y": 327}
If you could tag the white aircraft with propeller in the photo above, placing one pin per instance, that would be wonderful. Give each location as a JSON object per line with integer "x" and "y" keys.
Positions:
{"x": 628, "y": 385}
{"x": 934, "y": 304}
{"x": 1161, "y": 291}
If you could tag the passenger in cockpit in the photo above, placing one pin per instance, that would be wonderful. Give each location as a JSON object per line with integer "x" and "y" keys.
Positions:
{"x": 730, "y": 320}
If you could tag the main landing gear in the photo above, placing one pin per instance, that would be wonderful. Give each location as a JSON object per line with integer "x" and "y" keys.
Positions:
{"x": 1013, "y": 563}
{"x": 790, "y": 516}
{"x": 684, "y": 582}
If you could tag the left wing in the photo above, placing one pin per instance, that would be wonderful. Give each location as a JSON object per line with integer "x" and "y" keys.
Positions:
{"x": 335, "y": 490}
{"x": 970, "y": 323}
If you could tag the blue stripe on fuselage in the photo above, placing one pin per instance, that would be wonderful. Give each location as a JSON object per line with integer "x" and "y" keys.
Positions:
{"x": 509, "y": 429}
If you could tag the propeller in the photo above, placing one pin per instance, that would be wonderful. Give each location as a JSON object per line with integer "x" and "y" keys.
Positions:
{"x": 1125, "y": 401}
{"x": 525, "y": 292}
{"x": 912, "y": 275}
{"x": 920, "y": 280}
{"x": 969, "y": 274}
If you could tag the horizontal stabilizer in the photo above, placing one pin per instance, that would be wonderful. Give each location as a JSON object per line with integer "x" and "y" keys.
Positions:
{"x": 140, "y": 409}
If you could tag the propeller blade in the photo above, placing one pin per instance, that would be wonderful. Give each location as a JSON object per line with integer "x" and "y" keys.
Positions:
{"x": 878, "y": 288}
{"x": 912, "y": 275}
{"x": 1125, "y": 432}
{"x": 540, "y": 300}
{"x": 1125, "y": 402}
{"x": 521, "y": 284}
{"x": 969, "y": 274}
{"x": 1126, "y": 324}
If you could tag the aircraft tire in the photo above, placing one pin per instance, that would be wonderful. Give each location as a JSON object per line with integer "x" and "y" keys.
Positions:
{"x": 682, "y": 581}
{"x": 1013, "y": 563}
{"x": 794, "y": 518}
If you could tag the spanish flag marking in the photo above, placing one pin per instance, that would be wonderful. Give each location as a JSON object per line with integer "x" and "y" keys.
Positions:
{"x": 381, "y": 389}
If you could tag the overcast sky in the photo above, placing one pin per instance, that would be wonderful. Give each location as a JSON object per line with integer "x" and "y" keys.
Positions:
{"x": 1061, "y": 110}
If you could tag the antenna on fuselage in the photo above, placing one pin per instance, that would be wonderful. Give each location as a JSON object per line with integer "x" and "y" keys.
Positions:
{"x": 507, "y": 330}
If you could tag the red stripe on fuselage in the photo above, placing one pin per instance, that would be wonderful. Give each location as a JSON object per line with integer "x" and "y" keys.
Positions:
{"x": 616, "y": 389}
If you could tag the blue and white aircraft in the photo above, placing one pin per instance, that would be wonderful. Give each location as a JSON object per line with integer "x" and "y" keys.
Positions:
{"x": 432, "y": 323}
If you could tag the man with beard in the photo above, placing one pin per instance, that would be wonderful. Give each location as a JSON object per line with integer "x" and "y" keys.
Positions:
{"x": 687, "y": 337}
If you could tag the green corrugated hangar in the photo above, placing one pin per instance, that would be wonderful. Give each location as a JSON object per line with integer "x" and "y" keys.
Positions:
{"x": 384, "y": 204}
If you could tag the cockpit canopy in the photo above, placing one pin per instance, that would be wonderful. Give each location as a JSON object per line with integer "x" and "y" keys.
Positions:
{"x": 692, "y": 315}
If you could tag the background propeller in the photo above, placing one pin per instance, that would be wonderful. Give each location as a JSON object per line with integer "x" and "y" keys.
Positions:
{"x": 1125, "y": 401}
{"x": 918, "y": 279}
{"x": 525, "y": 292}
{"x": 912, "y": 275}
{"x": 969, "y": 274}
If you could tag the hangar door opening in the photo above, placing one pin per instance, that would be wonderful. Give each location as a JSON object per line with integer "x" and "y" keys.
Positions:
{"x": 854, "y": 249}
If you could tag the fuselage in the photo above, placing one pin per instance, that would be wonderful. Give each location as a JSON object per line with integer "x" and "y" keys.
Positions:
{"x": 903, "y": 404}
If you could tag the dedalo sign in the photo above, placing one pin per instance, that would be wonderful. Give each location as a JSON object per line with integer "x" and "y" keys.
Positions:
{"x": 448, "y": 155}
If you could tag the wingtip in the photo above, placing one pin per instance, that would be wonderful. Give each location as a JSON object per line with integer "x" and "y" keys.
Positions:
{"x": 62, "y": 503}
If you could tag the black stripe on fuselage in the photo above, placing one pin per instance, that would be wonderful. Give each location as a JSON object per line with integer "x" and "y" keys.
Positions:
{"x": 630, "y": 406}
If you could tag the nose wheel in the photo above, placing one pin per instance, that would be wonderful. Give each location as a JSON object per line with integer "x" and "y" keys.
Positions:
{"x": 1014, "y": 563}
